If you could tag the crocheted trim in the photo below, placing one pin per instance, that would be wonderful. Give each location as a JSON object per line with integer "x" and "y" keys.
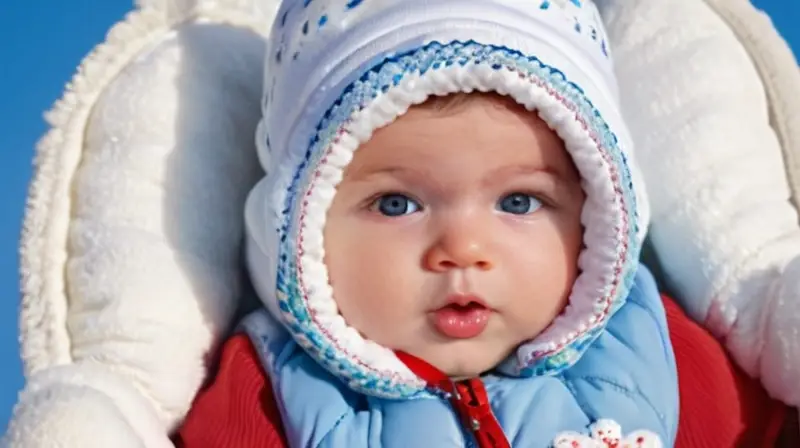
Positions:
{"x": 375, "y": 100}
{"x": 606, "y": 433}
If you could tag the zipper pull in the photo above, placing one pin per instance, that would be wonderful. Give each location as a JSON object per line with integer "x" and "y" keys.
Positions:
{"x": 476, "y": 413}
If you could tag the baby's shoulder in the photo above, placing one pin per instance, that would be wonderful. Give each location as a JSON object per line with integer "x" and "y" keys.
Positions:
{"x": 629, "y": 372}
{"x": 626, "y": 381}
{"x": 636, "y": 335}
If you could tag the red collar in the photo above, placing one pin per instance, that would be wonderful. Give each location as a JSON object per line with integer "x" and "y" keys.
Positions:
{"x": 468, "y": 397}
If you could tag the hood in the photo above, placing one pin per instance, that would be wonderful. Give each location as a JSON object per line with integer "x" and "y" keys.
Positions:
{"x": 336, "y": 70}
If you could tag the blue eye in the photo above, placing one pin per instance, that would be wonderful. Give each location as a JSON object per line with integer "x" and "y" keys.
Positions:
{"x": 519, "y": 204}
{"x": 396, "y": 205}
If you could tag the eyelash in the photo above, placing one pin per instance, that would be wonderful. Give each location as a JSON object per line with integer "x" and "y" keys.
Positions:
{"x": 541, "y": 197}
{"x": 371, "y": 204}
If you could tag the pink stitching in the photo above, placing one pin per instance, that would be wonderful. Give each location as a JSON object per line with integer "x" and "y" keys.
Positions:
{"x": 623, "y": 231}
{"x": 301, "y": 282}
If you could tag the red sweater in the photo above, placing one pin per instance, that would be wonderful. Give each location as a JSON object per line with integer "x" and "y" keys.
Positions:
{"x": 720, "y": 406}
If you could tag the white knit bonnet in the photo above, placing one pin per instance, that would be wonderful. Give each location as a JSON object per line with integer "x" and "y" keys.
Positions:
{"x": 337, "y": 70}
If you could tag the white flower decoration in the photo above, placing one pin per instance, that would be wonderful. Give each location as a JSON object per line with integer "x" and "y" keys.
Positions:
{"x": 607, "y": 433}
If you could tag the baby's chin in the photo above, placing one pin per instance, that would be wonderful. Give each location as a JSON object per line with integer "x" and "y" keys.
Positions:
{"x": 463, "y": 362}
{"x": 466, "y": 370}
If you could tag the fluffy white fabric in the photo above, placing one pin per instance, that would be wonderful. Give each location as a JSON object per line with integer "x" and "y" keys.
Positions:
{"x": 84, "y": 405}
{"x": 130, "y": 253}
{"x": 777, "y": 66}
{"x": 723, "y": 227}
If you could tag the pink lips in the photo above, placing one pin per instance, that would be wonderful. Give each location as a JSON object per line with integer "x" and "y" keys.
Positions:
{"x": 463, "y": 317}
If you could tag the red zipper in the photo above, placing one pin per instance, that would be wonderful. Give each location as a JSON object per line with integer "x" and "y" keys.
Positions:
{"x": 468, "y": 397}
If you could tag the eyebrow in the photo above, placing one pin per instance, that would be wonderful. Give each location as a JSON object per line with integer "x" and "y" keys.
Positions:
{"x": 360, "y": 175}
{"x": 507, "y": 171}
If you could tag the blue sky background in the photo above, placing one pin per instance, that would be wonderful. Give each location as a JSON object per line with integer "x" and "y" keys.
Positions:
{"x": 42, "y": 43}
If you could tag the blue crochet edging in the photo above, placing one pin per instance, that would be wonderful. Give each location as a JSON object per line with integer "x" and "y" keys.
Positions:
{"x": 355, "y": 97}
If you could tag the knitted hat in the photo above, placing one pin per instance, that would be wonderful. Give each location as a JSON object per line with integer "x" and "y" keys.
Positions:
{"x": 337, "y": 70}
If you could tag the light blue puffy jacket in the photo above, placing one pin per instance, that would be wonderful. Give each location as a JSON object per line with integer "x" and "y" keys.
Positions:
{"x": 628, "y": 375}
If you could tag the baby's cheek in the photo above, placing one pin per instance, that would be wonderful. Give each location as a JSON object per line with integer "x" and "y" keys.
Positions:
{"x": 549, "y": 271}
{"x": 371, "y": 289}
{"x": 376, "y": 314}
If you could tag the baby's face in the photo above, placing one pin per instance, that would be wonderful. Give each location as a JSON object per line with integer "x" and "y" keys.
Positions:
{"x": 454, "y": 235}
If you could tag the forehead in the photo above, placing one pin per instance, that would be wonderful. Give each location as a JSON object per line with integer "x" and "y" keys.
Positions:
{"x": 485, "y": 129}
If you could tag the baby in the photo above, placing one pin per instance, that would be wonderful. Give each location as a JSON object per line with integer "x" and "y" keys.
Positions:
{"x": 447, "y": 238}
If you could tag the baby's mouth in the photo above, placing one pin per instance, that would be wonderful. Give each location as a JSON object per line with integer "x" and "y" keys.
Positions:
{"x": 462, "y": 319}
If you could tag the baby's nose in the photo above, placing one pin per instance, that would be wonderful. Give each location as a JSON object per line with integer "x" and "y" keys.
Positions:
{"x": 459, "y": 247}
